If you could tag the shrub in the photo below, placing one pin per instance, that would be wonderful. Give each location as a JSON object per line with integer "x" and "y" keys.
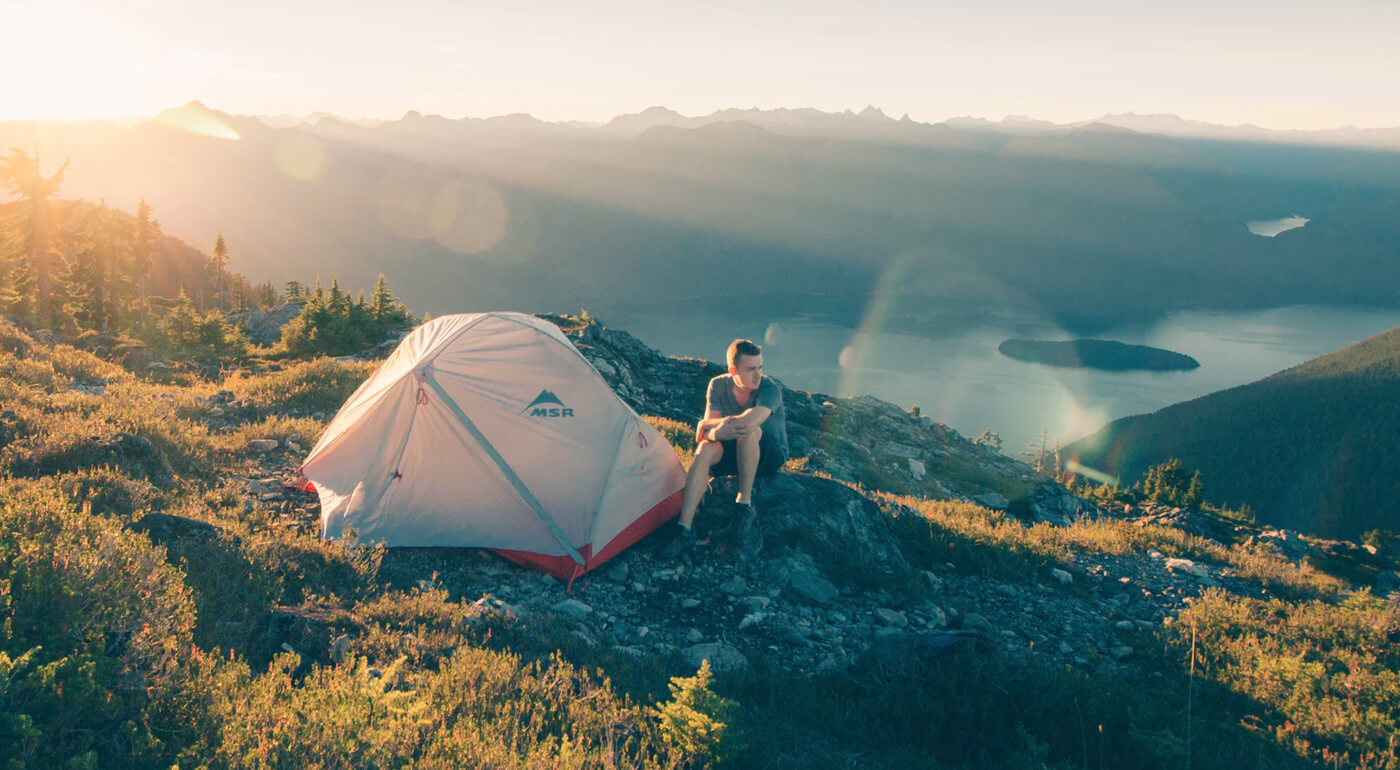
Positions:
{"x": 94, "y": 623}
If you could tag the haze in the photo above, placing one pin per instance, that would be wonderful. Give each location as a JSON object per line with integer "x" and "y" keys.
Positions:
{"x": 1289, "y": 64}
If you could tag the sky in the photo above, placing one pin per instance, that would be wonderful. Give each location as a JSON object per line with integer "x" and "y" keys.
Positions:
{"x": 1278, "y": 64}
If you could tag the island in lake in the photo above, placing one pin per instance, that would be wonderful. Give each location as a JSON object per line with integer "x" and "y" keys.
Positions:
{"x": 1097, "y": 354}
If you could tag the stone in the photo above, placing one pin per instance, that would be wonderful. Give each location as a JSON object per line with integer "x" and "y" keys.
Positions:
{"x": 618, "y": 572}
{"x": 992, "y": 500}
{"x": 937, "y": 618}
{"x": 1125, "y": 625}
{"x": 975, "y": 622}
{"x": 892, "y": 645}
{"x": 755, "y": 603}
{"x": 1187, "y": 566}
{"x": 752, "y": 619}
{"x": 689, "y": 604}
{"x": 694, "y": 636}
{"x": 916, "y": 467}
{"x": 573, "y": 608}
{"x": 722, "y": 657}
{"x": 1062, "y": 576}
{"x": 930, "y": 580}
{"x": 734, "y": 586}
{"x": 1066, "y": 648}
{"x": 892, "y": 618}
{"x": 1120, "y": 652}
{"x": 262, "y": 445}
{"x": 811, "y": 588}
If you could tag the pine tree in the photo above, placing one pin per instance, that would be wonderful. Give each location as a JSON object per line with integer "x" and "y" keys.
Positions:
{"x": 218, "y": 264}
{"x": 143, "y": 254}
{"x": 40, "y": 234}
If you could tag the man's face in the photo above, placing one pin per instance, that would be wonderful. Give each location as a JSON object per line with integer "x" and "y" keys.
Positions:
{"x": 747, "y": 371}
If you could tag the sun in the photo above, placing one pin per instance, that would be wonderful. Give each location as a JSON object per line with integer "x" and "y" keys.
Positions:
{"x": 61, "y": 62}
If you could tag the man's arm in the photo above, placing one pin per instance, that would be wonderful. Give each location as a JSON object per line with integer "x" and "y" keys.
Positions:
{"x": 704, "y": 430}
{"x": 750, "y": 418}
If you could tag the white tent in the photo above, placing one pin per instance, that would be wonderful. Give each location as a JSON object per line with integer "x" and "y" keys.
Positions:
{"x": 492, "y": 430}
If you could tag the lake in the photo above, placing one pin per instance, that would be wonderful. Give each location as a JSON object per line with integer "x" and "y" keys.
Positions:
{"x": 960, "y": 379}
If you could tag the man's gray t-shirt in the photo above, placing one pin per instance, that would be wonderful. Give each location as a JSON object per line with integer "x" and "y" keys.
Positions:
{"x": 720, "y": 397}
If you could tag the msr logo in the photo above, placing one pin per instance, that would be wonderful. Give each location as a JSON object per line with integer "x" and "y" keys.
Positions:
{"x": 547, "y": 404}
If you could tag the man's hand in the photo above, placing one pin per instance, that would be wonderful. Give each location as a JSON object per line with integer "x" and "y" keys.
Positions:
{"x": 731, "y": 428}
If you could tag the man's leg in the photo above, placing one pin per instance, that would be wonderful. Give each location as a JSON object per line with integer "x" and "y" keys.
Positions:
{"x": 697, "y": 481}
{"x": 748, "y": 452}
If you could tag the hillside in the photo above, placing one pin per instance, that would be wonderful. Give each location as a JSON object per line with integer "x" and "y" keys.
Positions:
{"x": 1310, "y": 448}
{"x": 167, "y": 601}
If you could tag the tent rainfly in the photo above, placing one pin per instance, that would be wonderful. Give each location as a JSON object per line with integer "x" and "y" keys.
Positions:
{"x": 491, "y": 430}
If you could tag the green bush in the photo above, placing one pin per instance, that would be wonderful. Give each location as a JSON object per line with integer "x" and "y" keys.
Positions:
{"x": 94, "y": 623}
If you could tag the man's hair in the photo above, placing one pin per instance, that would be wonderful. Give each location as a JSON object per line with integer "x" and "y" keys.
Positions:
{"x": 741, "y": 348}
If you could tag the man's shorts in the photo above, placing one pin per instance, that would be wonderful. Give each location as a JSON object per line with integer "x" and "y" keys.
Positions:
{"x": 770, "y": 459}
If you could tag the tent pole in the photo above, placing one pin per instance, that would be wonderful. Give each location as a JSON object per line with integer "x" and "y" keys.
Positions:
{"x": 515, "y": 481}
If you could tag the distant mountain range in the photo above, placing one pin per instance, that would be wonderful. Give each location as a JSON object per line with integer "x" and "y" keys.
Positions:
{"x": 1311, "y": 448}
{"x": 1088, "y": 225}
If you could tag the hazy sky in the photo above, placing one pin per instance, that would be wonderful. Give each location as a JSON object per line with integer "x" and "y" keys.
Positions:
{"x": 1280, "y": 64}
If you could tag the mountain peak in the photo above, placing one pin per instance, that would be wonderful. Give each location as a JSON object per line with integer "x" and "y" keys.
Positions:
{"x": 871, "y": 112}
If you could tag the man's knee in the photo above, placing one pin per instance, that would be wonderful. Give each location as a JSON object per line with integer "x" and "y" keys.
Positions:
{"x": 708, "y": 453}
{"x": 753, "y": 437}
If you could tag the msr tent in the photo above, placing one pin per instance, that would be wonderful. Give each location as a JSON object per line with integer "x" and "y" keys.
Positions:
{"x": 491, "y": 430}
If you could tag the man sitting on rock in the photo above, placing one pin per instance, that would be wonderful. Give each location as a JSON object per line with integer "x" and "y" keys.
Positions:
{"x": 744, "y": 433}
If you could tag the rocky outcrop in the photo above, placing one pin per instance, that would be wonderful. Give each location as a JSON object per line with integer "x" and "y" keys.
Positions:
{"x": 265, "y": 326}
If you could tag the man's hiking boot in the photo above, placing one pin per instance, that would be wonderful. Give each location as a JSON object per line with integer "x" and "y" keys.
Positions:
{"x": 746, "y": 534}
{"x": 681, "y": 540}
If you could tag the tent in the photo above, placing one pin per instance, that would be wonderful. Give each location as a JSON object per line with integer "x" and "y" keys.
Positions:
{"x": 492, "y": 430}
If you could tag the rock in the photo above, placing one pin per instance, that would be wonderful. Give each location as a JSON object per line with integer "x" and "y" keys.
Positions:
{"x": 1125, "y": 625}
{"x": 734, "y": 586}
{"x": 293, "y": 446}
{"x": 1120, "y": 652}
{"x": 573, "y": 608}
{"x": 135, "y": 455}
{"x": 891, "y": 618}
{"x": 265, "y": 326}
{"x": 892, "y": 645}
{"x": 1187, "y": 566}
{"x": 1388, "y": 581}
{"x": 619, "y": 571}
{"x": 916, "y": 467}
{"x": 164, "y": 528}
{"x": 1066, "y": 648}
{"x": 752, "y": 619}
{"x": 930, "y": 643}
{"x": 339, "y": 648}
{"x": 755, "y": 603}
{"x": 694, "y": 636}
{"x": 722, "y": 656}
{"x": 1062, "y": 576}
{"x": 930, "y": 580}
{"x": 262, "y": 445}
{"x": 841, "y": 530}
{"x": 689, "y": 604}
{"x": 975, "y": 622}
{"x": 811, "y": 588}
{"x": 1056, "y": 505}
{"x": 992, "y": 500}
{"x": 937, "y": 618}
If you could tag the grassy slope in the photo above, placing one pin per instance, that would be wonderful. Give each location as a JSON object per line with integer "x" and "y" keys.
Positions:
{"x": 1312, "y": 447}
{"x": 109, "y": 655}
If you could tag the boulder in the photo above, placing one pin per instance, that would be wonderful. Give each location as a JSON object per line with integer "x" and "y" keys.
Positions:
{"x": 262, "y": 445}
{"x": 844, "y": 532}
{"x": 722, "y": 657}
{"x": 992, "y": 500}
{"x": 265, "y": 326}
{"x": 135, "y": 455}
{"x": 573, "y": 608}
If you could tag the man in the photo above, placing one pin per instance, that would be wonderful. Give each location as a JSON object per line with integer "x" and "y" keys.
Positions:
{"x": 744, "y": 434}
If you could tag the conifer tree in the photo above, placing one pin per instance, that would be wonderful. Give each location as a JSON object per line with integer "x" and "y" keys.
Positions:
{"x": 143, "y": 254}
{"x": 39, "y": 231}
{"x": 218, "y": 264}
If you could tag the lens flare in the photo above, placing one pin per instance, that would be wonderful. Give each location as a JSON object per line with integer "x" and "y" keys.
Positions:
{"x": 300, "y": 157}
{"x": 193, "y": 120}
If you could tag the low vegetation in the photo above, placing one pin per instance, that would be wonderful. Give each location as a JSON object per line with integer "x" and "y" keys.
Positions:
{"x": 122, "y": 648}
